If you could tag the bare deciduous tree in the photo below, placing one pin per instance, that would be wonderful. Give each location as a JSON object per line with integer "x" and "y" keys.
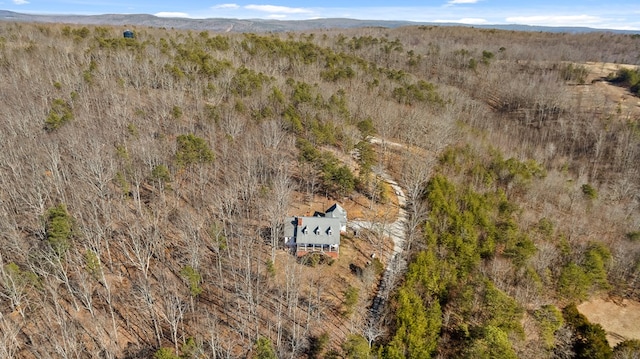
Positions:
{"x": 9, "y": 344}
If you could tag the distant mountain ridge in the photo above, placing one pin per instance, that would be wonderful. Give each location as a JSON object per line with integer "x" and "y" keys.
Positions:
{"x": 263, "y": 25}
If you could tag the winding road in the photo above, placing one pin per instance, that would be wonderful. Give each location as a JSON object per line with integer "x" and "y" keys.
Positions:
{"x": 397, "y": 232}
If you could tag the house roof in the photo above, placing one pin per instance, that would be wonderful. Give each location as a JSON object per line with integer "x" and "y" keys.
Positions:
{"x": 336, "y": 211}
{"x": 290, "y": 226}
{"x": 313, "y": 230}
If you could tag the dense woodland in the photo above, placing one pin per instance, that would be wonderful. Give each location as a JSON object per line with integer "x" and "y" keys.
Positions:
{"x": 144, "y": 182}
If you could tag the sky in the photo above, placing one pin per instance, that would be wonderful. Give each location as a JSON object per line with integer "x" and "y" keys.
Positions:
{"x": 601, "y": 14}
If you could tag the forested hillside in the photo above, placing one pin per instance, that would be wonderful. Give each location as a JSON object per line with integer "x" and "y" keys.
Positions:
{"x": 144, "y": 183}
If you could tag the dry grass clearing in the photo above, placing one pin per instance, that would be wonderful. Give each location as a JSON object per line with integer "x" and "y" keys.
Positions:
{"x": 598, "y": 92}
{"x": 621, "y": 320}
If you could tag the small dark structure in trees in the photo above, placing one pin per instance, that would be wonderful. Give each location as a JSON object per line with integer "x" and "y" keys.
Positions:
{"x": 128, "y": 34}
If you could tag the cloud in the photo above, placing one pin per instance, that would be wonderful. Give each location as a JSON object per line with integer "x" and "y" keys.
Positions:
{"x": 226, "y": 6}
{"x": 171, "y": 14}
{"x": 466, "y": 20}
{"x": 555, "y": 20}
{"x": 455, "y": 2}
{"x": 20, "y": 2}
{"x": 278, "y": 9}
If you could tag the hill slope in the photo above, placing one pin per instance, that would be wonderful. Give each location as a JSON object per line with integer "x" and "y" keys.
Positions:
{"x": 144, "y": 183}
{"x": 262, "y": 25}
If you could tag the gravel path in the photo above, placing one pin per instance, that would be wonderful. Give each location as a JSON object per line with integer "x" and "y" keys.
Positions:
{"x": 397, "y": 232}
